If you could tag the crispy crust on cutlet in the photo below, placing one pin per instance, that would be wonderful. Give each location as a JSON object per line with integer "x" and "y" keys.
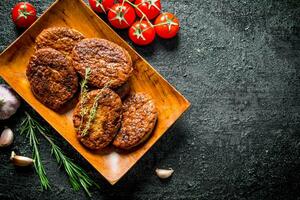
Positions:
{"x": 110, "y": 64}
{"x": 138, "y": 121}
{"x": 106, "y": 123}
{"x": 62, "y": 39}
{"x": 52, "y": 78}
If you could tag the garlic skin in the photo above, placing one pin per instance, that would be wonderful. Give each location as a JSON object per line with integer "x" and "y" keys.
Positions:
{"x": 6, "y": 138}
{"x": 9, "y": 102}
{"x": 20, "y": 161}
{"x": 164, "y": 173}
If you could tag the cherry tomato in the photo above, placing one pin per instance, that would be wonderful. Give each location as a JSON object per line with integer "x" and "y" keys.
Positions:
{"x": 101, "y": 6}
{"x": 142, "y": 33}
{"x": 166, "y": 25}
{"x": 23, "y": 14}
{"x": 151, "y": 8}
{"x": 123, "y": 0}
{"x": 121, "y": 16}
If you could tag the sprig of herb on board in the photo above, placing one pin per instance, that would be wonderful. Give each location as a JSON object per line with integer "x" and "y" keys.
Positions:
{"x": 77, "y": 176}
{"x": 93, "y": 111}
{"x": 92, "y": 114}
{"x": 83, "y": 95}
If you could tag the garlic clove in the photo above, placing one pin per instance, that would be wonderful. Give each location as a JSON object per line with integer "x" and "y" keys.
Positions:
{"x": 6, "y": 138}
{"x": 9, "y": 102}
{"x": 20, "y": 161}
{"x": 164, "y": 173}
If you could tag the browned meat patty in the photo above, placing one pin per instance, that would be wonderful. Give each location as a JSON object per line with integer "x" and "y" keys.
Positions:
{"x": 96, "y": 133}
{"x": 110, "y": 64}
{"x": 52, "y": 78}
{"x": 62, "y": 39}
{"x": 139, "y": 118}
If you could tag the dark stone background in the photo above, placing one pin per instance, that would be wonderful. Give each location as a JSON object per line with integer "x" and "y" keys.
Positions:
{"x": 238, "y": 63}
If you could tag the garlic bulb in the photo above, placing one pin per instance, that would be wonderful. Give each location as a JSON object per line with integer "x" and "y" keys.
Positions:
{"x": 20, "y": 161}
{"x": 6, "y": 138}
{"x": 164, "y": 173}
{"x": 9, "y": 102}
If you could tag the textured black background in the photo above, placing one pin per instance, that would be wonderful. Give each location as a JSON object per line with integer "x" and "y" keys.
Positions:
{"x": 238, "y": 63}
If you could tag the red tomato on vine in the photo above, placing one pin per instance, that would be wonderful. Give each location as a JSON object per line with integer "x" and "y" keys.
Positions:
{"x": 123, "y": 0}
{"x": 101, "y": 6}
{"x": 142, "y": 33}
{"x": 121, "y": 15}
{"x": 151, "y": 8}
{"x": 166, "y": 25}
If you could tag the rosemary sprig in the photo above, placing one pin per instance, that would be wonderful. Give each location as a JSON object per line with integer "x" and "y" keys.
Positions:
{"x": 93, "y": 111}
{"x": 27, "y": 127}
{"x": 92, "y": 115}
{"x": 83, "y": 95}
{"x": 77, "y": 176}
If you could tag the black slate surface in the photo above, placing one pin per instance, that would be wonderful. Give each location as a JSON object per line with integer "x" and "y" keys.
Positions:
{"x": 238, "y": 63}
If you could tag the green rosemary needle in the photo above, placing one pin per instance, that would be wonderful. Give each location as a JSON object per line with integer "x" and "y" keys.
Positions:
{"x": 77, "y": 176}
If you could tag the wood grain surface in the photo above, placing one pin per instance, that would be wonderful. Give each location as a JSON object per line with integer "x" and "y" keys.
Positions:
{"x": 111, "y": 163}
